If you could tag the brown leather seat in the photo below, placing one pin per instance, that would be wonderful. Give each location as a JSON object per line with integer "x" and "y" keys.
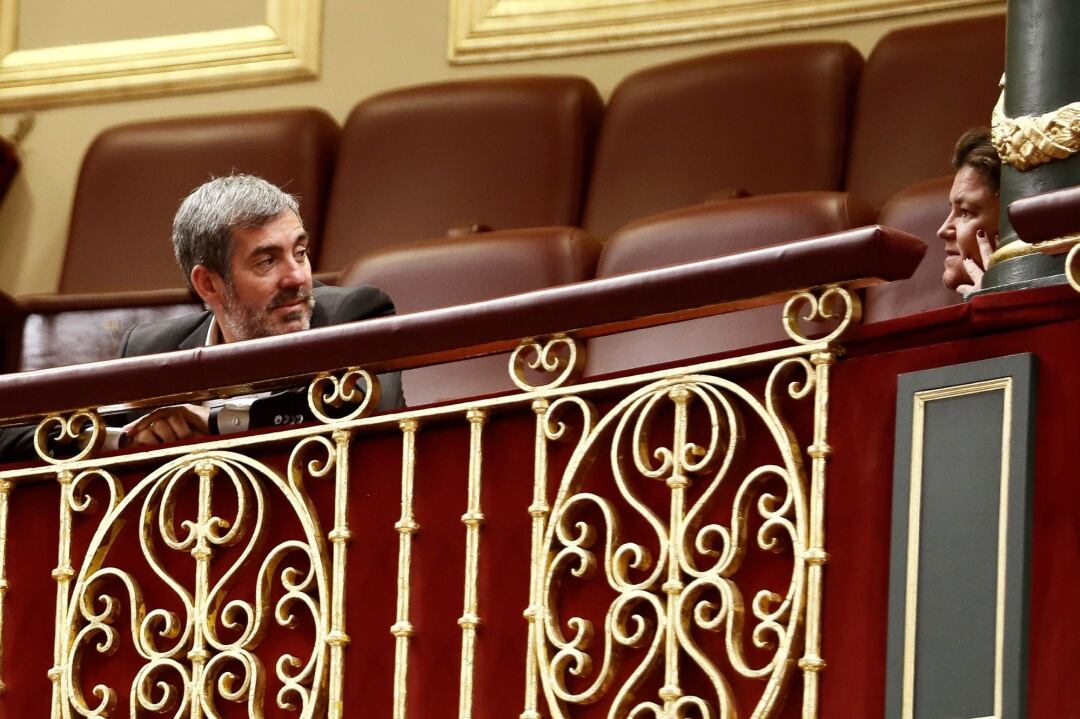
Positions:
{"x": 445, "y": 272}
{"x": 61, "y": 330}
{"x": 134, "y": 176}
{"x": 420, "y": 162}
{"x": 700, "y": 233}
{"x": 10, "y": 332}
{"x": 771, "y": 119}
{"x": 920, "y": 210}
{"x": 921, "y": 88}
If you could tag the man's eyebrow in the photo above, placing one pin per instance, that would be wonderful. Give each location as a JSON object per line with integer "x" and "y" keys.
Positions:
{"x": 267, "y": 249}
{"x": 271, "y": 248}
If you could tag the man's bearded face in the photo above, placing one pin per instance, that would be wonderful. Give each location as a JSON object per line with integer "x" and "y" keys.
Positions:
{"x": 269, "y": 288}
{"x": 289, "y": 311}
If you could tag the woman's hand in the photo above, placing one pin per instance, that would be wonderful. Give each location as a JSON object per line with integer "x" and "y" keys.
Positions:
{"x": 976, "y": 270}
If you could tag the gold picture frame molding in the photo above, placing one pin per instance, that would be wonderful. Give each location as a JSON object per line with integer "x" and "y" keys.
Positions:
{"x": 1004, "y": 385}
{"x": 498, "y": 30}
{"x": 287, "y": 46}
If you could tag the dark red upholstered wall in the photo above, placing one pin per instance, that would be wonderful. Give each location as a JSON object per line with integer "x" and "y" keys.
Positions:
{"x": 859, "y": 499}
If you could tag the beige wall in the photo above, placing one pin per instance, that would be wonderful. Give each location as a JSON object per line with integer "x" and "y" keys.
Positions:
{"x": 368, "y": 46}
{"x": 49, "y": 23}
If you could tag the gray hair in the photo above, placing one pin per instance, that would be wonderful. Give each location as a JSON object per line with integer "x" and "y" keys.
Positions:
{"x": 203, "y": 227}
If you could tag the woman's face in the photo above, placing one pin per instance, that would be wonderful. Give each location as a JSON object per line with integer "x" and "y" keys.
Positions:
{"x": 973, "y": 206}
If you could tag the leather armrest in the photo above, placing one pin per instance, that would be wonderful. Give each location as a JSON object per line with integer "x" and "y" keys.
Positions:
{"x": 1047, "y": 216}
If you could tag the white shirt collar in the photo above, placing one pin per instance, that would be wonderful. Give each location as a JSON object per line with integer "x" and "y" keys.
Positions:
{"x": 213, "y": 334}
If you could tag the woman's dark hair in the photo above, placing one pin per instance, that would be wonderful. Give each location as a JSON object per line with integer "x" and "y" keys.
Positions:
{"x": 975, "y": 150}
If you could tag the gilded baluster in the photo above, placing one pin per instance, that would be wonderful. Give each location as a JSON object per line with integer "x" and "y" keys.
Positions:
{"x": 339, "y": 537}
{"x": 671, "y": 692}
{"x": 5, "y": 492}
{"x": 472, "y": 519}
{"x": 816, "y": 556}
{"x": 538, "y": 510}
{"x": 406, "y": 527}
{"x": 201, "y": 553}
{"x": 62, "y": 574}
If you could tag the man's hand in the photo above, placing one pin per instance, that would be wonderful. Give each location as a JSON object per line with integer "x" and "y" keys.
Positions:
{"x": 975, "y": 270}
{"x": 167, "y": 424}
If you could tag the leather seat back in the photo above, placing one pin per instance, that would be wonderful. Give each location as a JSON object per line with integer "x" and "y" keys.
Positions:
{"x": 769, "y": 119}
{"x": 920, "y": 210}
{"x": 921, "y": 89}
{"x": 134, "y": 176}
{"x": 701, "y": 233}
{"x": 445, "y": 272}
{"x": 62, "y": 330}
{"x": 420, "y": 162}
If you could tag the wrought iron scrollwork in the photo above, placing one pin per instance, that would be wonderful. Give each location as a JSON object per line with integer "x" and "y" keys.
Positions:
{"x": 59, "y": 439}
{"x": 560, "y": 358}
{"x": 678, "y": 575}
{"x": 830, "y": 304}
{"x": 339, "y": 399}
{"x": 199, "y": 646}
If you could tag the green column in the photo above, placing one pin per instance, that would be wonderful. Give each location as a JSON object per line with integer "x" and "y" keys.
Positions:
{"x": 1042, "y": 74}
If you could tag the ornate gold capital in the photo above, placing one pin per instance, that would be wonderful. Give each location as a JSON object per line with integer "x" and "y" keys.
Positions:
{"x": 1028, "y": 141}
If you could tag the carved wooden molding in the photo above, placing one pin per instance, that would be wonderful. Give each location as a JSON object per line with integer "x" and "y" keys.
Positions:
{"x": 495, "y": 30}
{"x": 286, "y": 46}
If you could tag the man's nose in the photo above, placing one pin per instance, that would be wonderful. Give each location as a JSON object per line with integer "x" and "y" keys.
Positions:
{"x": 294, "y": 274}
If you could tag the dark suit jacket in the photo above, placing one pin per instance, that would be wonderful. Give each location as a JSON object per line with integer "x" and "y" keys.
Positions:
{"x": 333, "y": 306}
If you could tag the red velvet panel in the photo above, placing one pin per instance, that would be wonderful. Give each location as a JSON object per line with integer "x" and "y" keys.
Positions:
{"x": 857, "y": 531}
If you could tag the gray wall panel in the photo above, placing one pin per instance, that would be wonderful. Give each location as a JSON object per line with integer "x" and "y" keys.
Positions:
{"x": 957, "y": 596}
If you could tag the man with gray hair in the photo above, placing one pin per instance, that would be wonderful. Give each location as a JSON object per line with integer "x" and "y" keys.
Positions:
{"x": 242, "y": 246}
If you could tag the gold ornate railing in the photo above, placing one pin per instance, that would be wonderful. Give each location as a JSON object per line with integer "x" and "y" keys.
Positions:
{"x": 197, "y": 577}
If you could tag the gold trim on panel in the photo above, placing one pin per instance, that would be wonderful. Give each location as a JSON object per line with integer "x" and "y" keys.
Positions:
{"x": 1002, "y": 558}
{"x": 1066, "y": 245}
{"x": 5, "y": 493}
{"x": 1011, "y": 251}
{"x": 497, "y": 30}
{"x": 920, "y": 399}
{"x": 286, "y": 46}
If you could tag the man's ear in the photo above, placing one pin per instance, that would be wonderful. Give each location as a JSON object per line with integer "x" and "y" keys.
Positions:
{"x": 209, "y": 285}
